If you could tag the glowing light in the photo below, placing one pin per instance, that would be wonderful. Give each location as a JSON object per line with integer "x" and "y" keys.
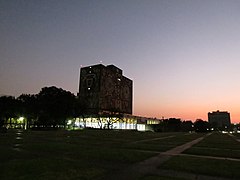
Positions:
{"x": 21, "y": 118}
{"x": 77, "y": 123}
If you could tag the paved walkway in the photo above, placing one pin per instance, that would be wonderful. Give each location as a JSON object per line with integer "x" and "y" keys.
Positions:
{"x": 210, "y": 157}
{"x": 150, "y": 165}
{"x": 234, "y": 137}
{"x": 18, "y": 140}
{"x": 153, "y": 139}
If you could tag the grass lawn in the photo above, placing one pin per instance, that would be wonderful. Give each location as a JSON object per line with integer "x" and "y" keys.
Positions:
{"x": 212, "y": 167}
{"x": 85, "y": 154}
{"x": 237, "y": 135}
{"x": 165, "y": 144}
{"x": 153, "y": 177}
{"x": 92, "y": 154}
{"x": 217, "y": 144}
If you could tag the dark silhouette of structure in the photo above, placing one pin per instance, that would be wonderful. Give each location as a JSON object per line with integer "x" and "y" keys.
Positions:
{"x": 219, "y": 119}
{"x": 104, "y": 89}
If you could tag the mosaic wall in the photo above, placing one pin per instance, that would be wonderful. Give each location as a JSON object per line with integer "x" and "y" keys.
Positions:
{"x": 104, "y": 88}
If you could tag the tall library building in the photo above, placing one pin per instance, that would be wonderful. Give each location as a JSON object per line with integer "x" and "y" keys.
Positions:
{"x": 107, "y": 98}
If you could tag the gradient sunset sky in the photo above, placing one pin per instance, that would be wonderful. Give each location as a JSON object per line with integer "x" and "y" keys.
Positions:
{"x": 183, "y": 55}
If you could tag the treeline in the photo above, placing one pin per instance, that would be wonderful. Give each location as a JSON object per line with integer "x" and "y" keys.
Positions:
{"x": 177, "y": 125}
{"x": 51, "y": 107}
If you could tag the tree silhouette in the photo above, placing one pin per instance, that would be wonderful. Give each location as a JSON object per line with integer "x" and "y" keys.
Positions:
{"x": 29, "y": 108}
{"x": 201, "y": 126}
{"x": 55, "y": 106}
{"x": 174, "y": 124}
{"x": 80, "y": 109}
{"x": 187, "y": 126}
{"x": 9, "y": 107}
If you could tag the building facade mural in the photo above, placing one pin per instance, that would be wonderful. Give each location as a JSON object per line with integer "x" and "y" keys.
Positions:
{"x": 105, "y": 89}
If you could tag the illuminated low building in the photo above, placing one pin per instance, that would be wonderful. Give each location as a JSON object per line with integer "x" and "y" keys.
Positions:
{"x": 123, "y": 122}
{"x": 19, "y": 122}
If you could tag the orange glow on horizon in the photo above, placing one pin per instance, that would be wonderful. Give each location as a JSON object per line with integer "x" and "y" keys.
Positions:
{"x": 186, "y": 116}
{"x": 184, "y": 112}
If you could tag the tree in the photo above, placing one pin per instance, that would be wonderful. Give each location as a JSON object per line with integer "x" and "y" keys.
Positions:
{"x": 8, "y": 109}
{"x": 29, "y": 108}
{"x": 201, "y": 126}
{"x": 163, "y": 125}
{"x": 187, "y": 126}
{"x": 174, "y": 124}
{"x": 80, "y": 109}
{"x": 55, "y": 106}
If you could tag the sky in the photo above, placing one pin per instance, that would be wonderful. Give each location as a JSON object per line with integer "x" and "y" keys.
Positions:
{"x": 182, "y": 55}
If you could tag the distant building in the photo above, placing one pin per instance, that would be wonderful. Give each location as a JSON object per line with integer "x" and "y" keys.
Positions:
{"x": 219, "y": 119}
{"x": 105, "y": 89}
